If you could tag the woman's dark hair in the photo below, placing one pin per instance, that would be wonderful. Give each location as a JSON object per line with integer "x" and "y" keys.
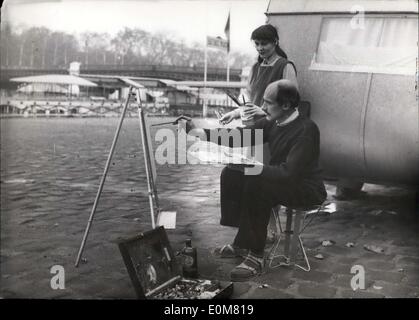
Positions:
{"x": 268, "y": 32}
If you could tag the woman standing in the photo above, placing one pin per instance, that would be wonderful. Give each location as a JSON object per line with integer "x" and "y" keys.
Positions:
{"x": 272, "y": 65}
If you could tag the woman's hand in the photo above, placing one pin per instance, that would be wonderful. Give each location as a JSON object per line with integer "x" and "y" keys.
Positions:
{"x": 252, "y": 111}
{"x": 229, "y": 116}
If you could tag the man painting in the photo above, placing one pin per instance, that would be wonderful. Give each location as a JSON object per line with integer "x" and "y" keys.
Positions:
{"x": 292, "y": 177}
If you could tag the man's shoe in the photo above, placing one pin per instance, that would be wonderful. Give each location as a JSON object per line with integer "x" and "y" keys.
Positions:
{"x": 251, "y": 266}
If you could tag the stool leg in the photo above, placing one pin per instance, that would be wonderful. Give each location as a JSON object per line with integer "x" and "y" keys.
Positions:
{"x": 308, "y": 267}
{"x": 288, "y": 232}
{"x": 273, "y": 254}
{"x": 278, "y": 223}
{"x": 295, "y": 237}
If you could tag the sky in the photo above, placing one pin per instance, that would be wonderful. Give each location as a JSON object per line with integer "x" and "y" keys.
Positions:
{"x": 190, "y": 20}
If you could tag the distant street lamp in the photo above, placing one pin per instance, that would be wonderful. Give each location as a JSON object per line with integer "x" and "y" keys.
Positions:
{"x": 86, "y": 46}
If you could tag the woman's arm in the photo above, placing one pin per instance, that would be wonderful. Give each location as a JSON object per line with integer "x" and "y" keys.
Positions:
{"x": 230, "y": 116}
{"x": 289, "y": 74}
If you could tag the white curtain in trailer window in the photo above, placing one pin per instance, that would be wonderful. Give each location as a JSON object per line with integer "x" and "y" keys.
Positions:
{"x": 376, "y": 45}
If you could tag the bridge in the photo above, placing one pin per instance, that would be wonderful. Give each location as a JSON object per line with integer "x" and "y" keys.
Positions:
{"x": 152, "y": 71}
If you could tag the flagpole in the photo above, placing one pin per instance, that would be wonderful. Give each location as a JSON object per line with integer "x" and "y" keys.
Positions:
{"x": 205, "y": 65}
{"x": 227, "y": 33}
{"x": 228, "y": 66}
{"x": 204, "y": 100}
{"x": 204, "y": 104}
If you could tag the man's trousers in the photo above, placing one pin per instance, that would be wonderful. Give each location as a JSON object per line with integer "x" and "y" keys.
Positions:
{"x": 247, "y": 201}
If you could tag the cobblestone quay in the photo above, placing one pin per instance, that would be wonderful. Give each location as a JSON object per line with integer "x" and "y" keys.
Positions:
{"x": 50, "y": 172}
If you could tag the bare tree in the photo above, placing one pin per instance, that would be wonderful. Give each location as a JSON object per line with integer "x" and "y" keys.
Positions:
{"x": 40, "y": 47}
{"x": 6, "y": 43}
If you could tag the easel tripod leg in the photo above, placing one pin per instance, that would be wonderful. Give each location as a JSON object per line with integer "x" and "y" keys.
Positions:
{"x": 102, "y": 181}
{"x": 147, "y": 165}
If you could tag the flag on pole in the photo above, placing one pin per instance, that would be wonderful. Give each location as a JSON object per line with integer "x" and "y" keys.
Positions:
{"x": 217, "y": 42}
{"x": 227, "y": 32}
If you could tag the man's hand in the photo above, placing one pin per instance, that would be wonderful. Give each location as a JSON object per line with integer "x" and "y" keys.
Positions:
{"x": 247, "y": 169}
{"x": 253, "y": 170}
{"x": 229, "y": 116}
{"x": 252, "y": 111}
{"x": 190, "y": 125}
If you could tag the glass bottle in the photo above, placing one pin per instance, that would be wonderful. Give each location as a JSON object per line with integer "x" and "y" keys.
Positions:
{"x": 190, "y": 261}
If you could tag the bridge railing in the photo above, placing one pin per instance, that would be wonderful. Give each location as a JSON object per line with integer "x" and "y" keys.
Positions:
{"x": 153, "y": 71}
{"x": 165, "y": 68}
{"x": 168, "y": 68}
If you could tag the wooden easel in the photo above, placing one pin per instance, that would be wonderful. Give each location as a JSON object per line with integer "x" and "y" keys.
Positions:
{"x": 149, "y": 163}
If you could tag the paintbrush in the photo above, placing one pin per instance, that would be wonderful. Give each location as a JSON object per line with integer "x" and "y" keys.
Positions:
{"x": 234, "y": 98}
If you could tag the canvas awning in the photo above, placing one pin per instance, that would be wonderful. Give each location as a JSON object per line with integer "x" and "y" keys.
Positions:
{"x": 56, "y": 79}
{"x": 43, "y": 88}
